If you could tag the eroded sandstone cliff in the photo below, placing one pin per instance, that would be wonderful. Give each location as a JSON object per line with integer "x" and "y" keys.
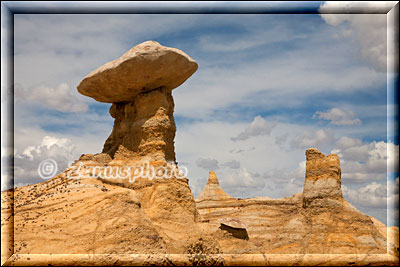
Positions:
{"x": 318, "y": 220}
{"x": 91, "y": 214}
{"x": 72, "y": 215}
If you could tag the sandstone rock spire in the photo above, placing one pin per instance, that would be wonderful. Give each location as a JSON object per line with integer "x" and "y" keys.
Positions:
{"x": 212, "y": 178}
{"x": 212, "y": 191}
{"x": 323, "y": 177}
{"x": 139, "y": 85}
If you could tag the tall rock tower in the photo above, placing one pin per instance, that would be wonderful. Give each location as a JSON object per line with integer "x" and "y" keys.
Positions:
{"x": 323, "y": 178}
{"x": 139, "y": 86}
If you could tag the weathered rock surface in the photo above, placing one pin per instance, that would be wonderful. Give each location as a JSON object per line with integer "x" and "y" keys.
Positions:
{"x": 143, "y": 68}
{"x": 72, "y": 215}
{"x": 326, "y": 224}
{"x": 323, "y": 178}
{"x": 146, "y": 127}
{"x": 110, "y": 216}
{"x": 139, "y": 85}
{"x": 80, "y": 216}
{"x": 91, "y": 215}
{"x": 212, "y": 191}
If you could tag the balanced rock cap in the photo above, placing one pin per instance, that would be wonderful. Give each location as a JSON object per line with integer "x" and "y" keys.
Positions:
{"x": 143, "y": 68}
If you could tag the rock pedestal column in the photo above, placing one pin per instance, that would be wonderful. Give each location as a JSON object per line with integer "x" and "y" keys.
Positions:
{"x": 323, "y": 178}
{"x": 139, "y": 85}
{"x": 144, "y": 126}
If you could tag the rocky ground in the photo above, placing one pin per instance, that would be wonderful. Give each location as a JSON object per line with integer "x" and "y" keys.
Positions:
{"x": 160, "y": 216}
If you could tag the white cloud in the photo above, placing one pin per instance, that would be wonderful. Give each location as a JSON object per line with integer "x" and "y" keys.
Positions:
{"x": 26, "y": 164}
{"x": 88, "y": 41}
{"x": 346, "y": 142}
{"x": 338, "y": 116}
{"x": 59, "y": 98}
{"x": 319, "y": 139}
{"x": 233, "y": 164}
{"x": 279, "y": 140}
{"x": 359, "y": 7}
{"x": 373, "y": 195}
{"x": 365, "y": 162}
{"x": 293, "y": 186}
{"x": 309, "y": 74}
{"x": 255, "y": 35}
{"x": 48, "y": 142}
{"x": 242, "y": 180}
{"x": 259, "y": 126}
{"x": 211, "y": 140}
{"x": 207, "y": 163}
{"x": 287, "y": 182}
{"x": 369, "y": 30}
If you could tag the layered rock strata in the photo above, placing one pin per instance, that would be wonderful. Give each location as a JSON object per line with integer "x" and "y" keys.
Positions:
{"x": 97, "y": 217}
{"x": 323, "y": 178}
{"x": 318, "y": 220}
{"x": 212, "y": 191}
{"x": 101, "y": 221}
{"x": 146, "y": 127}
{"x": 70, "y": 215}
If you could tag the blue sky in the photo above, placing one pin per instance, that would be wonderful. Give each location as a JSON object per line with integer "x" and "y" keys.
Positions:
{"x": 268, "y": 87}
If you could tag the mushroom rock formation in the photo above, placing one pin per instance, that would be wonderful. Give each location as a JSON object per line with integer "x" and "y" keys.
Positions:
{"x": 323, "y": 177}
{"x": 139, "y": 86}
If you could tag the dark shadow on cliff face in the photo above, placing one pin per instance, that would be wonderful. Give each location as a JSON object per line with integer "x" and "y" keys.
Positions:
{"x": 240, "y": 233}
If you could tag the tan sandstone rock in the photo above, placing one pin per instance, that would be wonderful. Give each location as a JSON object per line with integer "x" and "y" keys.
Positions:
{"x": 85, "y": 217}
{"x": 139, "y": 85}
{"x": 145, "y": 127}
{"x": 323, "y": 178}
{"x": 327, "y": 225}
{"x": 143, "y": 68}
{"x": 213, "y": 191}
{"x": 103, "y": 217}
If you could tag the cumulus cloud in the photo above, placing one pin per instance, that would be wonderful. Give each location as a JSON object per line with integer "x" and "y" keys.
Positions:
{"x": 241, "y": 180}
{"x": 59, "y": 98}
{"x": 259, "y": 126}
{"x": 346, "y": 142}
{"x": 26, "y": 164}
{"x": 233, "y": 164}
{"x": 338, "y": 116}
{"x": 365, "y": 162}
{"x": 281, "y": 139}
{"x": 287, "y": 182}
{"x": 373, "y": 195}
{"x": 380, "y": 199}
{"x": 320, "y": 139}
{"x": 293, "y": 186}
{"x": 368, "y": 30}
{"x": 207, "y": 163}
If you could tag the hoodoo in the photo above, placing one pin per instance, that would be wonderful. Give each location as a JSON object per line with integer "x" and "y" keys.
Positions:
{"x": 213, "y": 191}
{"x": 139, "y": 86}
{"x": 323, "y": 178}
